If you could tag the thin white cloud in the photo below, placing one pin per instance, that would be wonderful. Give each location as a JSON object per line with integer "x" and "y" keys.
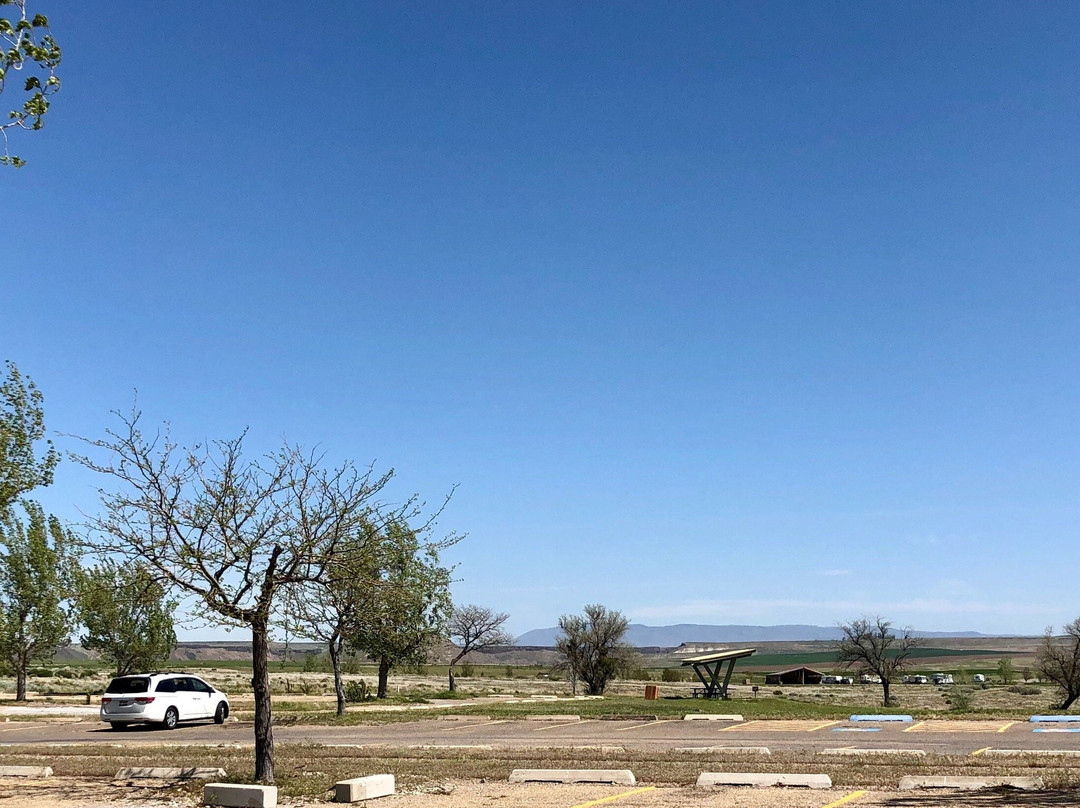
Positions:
{"x": 835, "y": 573}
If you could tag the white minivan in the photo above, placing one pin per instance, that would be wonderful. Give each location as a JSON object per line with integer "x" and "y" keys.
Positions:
{"x": 161, "y": 698}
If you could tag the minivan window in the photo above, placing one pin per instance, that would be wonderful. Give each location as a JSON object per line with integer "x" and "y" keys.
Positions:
{"x": 128, "y": 684}
{"x": 199, "y": 686}
{"x": 166, "y": 686}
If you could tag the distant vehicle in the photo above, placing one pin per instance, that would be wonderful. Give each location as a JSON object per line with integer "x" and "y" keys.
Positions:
{"x": 830, "y": 680}
{"x": 846, "y": 680}
{"x": 161, "y": 698}
{"x": 942, "y": 679}
{"x": 918, "y": 679}
{"x": 978, "y": 678}
{"x": 868, "y": 679}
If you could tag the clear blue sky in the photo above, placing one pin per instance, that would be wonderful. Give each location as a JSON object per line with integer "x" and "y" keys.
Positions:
{"x": 715, "y": 312}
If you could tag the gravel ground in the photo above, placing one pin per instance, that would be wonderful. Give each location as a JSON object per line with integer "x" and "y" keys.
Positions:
{"x": 61, "y": 792}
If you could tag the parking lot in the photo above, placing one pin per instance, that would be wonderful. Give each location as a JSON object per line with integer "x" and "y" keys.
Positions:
{"x": 933, "y": 736}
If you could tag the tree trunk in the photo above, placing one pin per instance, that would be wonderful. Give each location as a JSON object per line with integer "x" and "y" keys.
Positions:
{"x": 384, "y": 674}
{"x": 335, "y": 663}
{"x": 260, "y": 684}
{"x": 1069, "y": 699}
{"x": 885, "y": 687}
{"x": 453, "y": 662}
{"x": 20, "y": 683}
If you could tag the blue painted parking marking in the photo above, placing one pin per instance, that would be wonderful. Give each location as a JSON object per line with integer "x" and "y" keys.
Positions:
{"x": 1059, "y": 729}
{"x": 1055, "y": 719}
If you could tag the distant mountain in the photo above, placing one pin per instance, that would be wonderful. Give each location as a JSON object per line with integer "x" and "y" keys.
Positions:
{"x": 672, "y": 636}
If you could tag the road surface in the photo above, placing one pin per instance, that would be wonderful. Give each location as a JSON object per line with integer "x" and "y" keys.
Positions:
{"x": 934, "y": 737}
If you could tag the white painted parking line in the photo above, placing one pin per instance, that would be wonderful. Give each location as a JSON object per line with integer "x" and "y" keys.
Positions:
{"x": 564, "y": 725}
{"x": 474, "y": 726}
{"x": 646, "y": 724}
{"x": 24, "y": 725}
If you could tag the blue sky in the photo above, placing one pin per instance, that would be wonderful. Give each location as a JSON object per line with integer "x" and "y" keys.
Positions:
{"x": 748, "y": 312}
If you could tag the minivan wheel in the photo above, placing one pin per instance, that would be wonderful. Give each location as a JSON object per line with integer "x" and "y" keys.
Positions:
{"x": 221, "y": 713}
{"x": 172, "y": 718}
{"x": 118, "y": 724}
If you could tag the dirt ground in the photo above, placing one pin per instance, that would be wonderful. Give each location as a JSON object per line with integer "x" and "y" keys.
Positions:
{"x": 87, "y": 793}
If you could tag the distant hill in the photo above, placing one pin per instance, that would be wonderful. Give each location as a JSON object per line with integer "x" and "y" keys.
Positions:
{"x": 672, "y": 636}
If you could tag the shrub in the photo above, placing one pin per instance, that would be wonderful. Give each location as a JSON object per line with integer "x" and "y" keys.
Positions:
{"x": 1025, "y": 690}
{"x": 961, "y": 699}
{"x": 357, "y": 690}
{"x": 671, "y": 675}
{"x": 509, "y": 671}
{"x": 641, "y": 674}
{"x": 466, "y": 669}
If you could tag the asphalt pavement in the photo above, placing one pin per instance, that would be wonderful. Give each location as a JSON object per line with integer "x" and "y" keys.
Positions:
{"x": 934, "y": 737}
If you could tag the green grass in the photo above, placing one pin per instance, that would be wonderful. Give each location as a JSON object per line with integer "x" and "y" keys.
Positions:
{"x": 613, "y": 708}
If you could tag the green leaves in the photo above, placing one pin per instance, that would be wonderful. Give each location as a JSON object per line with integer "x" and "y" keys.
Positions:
{"x": 127, "y": 616}
{"x": 22, "y": 430}
{"x": 35, "y": 579}
{"x": 27, "y": 43}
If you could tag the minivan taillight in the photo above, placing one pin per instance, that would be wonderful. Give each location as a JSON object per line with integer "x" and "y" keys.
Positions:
{"x": 105, "y": 699}
{"x": 144, "y": 700}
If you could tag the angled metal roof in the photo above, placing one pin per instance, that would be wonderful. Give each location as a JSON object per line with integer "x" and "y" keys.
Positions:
{"x": 719, "y": 656}
{"x": 796, "y": 670}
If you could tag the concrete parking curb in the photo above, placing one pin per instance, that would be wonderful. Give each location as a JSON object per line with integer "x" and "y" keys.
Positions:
{"x": 1020, "y": 752}
{"x": 463, "y": 718}
{"x": 233, "y": 795}
{"x": 603, "y": 749}
{"x": 971, "y": 783}
{"x": 868, "y": 752}
{"x": 711, "y": 717}
{"x": 763, "y": 780}
{"x": 566, "y": 718}
{"x": 619, "y": 777}
{"x": 731, "y": 750}
{"x": 364, "y": 788}
{"x": 26, "y": 771}
{"x": 482, "y": 747}
{"x": 167, "y": 773}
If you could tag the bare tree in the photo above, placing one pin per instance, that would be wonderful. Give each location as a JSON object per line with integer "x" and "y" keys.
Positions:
{"x": 1059, "y": 661}
{"x": 871, "y": 645}
{"x": 592, "y": 647}
{"x": 475, "y": 628}
{"x": 317, "y": 612}
{"x": 228, "y": 533}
